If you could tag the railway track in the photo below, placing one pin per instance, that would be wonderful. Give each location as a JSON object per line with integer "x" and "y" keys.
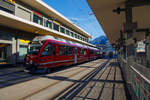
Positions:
{"x": 16, "y": 75}
{"x": 101, "y": 84}
{"x": 52, "y": 91}
{"x": 76, "y": 88}
{"x": 50, "y": 82}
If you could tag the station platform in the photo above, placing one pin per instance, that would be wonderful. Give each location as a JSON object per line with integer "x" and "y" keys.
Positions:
{"x": 96, "y": 80}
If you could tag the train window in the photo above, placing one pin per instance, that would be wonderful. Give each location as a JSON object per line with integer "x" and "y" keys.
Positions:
{"x": 34, "y": 47}
{"x": 54, "y": 49}
{"x": 62, "y": 30}
{"x": 82, "y": 51}
{"x": 91, "y": 52}
{"x": 47, "y": 50}
{"x": 62, "y": 50}
{"x": 37, "y": 19}
{"x": 56, "y": 27}
{"x": 69, "y": 50}
{"x": 97, "y": 53}
{"x": 65, "y": 50}
{"x": 48, "y": 24}
{"x": 67, "y": 32}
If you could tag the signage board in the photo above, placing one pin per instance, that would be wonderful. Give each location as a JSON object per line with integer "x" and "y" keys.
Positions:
{"x": 140, "y": 47}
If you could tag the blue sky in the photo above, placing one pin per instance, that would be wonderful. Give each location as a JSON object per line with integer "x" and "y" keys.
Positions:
{"x": 78, "y": 12}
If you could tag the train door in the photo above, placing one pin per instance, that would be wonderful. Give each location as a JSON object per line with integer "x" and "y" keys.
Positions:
{"x": 75, "y": 58}
{"x": 46, "y": 57}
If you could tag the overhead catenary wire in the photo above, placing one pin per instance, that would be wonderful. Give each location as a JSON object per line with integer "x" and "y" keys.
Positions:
{"x": 87, "y": 13}
{"x": 80, "y": 11}
{"x": 75, "y": 21}
{"x": 79, "y": 6}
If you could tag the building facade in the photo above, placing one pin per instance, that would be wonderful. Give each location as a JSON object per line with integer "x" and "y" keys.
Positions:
{"x": 22, "y": 20}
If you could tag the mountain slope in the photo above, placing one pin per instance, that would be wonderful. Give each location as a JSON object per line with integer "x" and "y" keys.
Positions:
{"x": 99, "y": 40}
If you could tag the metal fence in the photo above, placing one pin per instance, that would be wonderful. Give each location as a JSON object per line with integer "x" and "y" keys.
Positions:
{"x": 138, "y": 79}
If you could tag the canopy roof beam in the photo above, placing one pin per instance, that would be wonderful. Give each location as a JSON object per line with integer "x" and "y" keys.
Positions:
{"x": 137, "y": 3}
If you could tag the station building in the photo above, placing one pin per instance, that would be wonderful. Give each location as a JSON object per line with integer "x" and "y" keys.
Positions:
{"x": 22, "y": 20}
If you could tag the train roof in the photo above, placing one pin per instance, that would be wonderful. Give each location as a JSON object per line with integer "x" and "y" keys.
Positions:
{"x": 42, "y": 38}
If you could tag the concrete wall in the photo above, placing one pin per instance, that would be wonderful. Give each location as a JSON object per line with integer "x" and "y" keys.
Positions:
{"x": 23, "y": 12}
{"x": 7, "y": 6}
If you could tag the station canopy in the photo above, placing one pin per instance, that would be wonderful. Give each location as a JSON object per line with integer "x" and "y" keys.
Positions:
{"x": 112, "y": 23}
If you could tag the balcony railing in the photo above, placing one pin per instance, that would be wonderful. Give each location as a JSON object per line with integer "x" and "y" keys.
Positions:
{"x": 55, "y": 26}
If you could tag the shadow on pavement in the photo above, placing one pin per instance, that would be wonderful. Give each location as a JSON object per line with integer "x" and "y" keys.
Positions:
{"x": 82, "y": 89}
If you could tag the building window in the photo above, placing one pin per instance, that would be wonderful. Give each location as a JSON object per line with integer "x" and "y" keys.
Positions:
{"x": 67, "y": 32}
{"x": 62, "y": 30}
{"x": 86, "y": 40}
{"x": 75, "y": 35}
{"x": 4, "y": 55}
{"x": 48, "y": 24}
{"x": 22, "y": 52}
{"x": 78, "y": 37}
{"x": 83, "y": 39}
{"x": 37, "y": 19}
{"x": 56, "y": 27}
{"x": 72, "y": 34}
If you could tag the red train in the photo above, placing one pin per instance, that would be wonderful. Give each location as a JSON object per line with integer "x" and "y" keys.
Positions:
{"x": 45, "y": 52}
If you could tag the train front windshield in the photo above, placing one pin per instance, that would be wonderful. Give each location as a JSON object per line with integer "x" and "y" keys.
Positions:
{"x": 34, "y": 48}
